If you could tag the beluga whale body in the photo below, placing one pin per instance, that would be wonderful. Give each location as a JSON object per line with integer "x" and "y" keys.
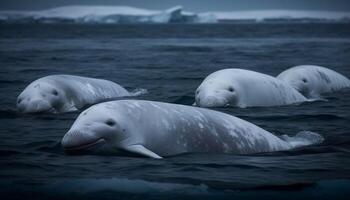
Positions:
{"x": 156, "y": 130}
{"x": 244, "y": 88}
{"x": 312, "y": 81}
{"x": 65, "y": 93}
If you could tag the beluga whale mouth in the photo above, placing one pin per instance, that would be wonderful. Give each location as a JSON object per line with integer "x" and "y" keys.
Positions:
{"x": 76, "y": 141}
{"x": 34, "y": 106}
{"x": 86, "y": 146}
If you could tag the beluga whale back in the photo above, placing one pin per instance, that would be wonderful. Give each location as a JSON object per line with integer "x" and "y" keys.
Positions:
{"x": 155, "y": 129}
{"x": 65, "y": 93}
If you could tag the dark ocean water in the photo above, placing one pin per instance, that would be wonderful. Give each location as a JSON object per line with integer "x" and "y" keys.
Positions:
{"x": 170, "y": 61}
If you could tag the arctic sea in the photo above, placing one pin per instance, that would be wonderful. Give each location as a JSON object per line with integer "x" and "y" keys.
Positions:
{"x": 170, "y": 61}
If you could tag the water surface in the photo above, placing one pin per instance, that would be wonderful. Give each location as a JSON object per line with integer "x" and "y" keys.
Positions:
{"x": 170, "y": 61}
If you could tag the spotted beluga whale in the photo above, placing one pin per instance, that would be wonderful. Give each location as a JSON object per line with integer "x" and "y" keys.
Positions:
{"x": 312, "y": 81}
{"x": 156, "y": 130}
{"x": 244, "y": 88}
{"x": 65, "y": 93}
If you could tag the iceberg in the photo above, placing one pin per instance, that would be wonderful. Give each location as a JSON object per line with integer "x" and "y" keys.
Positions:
{"x": 99, "y": 14}
{"x": 278, "y": 15}
{"x": 125, "y": 14}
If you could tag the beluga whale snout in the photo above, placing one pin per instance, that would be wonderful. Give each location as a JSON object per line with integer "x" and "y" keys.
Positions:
{"x": 77, "y": 140}
{"x": 156, "y": 130}
{"x": 212, "y": 101}
{"x": 33, "y": 106}
{"x": 94, "y": 127}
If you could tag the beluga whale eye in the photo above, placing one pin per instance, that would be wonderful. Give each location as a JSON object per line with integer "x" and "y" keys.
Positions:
{"x": 110, "y": 122}
{"x": 54, "y": 92}
{"x": 231, "y": 89}
{"x": 19, "y": 100}
{"x": 304, "y": 80}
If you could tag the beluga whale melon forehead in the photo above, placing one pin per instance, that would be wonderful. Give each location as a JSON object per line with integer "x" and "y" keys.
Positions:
{"x": 312, "y": 81}
{"x": 244, "y": 88}
{"x": 65, "y": 93}
{"x": 156, "y": 129}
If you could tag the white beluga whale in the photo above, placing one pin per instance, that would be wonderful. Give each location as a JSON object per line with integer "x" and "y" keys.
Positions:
{"x": 156, "y": 130}
{"x": 312, "y": 81}
{"x": 65, "y": 93}
{"x": 244, "y": 88}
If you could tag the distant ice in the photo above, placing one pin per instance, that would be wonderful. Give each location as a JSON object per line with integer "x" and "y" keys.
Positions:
{"x": 125, "y": 14}
{"x": 265, "y": 15}
{"x": 100, "y": 14}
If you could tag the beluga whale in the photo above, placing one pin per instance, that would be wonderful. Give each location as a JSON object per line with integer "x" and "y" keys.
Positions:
{"x": 244, "y": 88}
{"x": 312, "y": 81}
{"x": 157, "y": 130}
{"x": 65, "y": 93}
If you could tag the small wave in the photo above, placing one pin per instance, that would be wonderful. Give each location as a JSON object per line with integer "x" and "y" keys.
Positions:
{"x": 171, "y": 48}
{"x": 307, "y": 151}
{"x": 189, "y": 169}
{"x": 303, "y": 138}
{"x": 39, "y": 144}
{"x": 316, "y": 99}
{"x": 139, "y": 92}
{"x": 125, "y": 185}
{"x": 220, "y": 166}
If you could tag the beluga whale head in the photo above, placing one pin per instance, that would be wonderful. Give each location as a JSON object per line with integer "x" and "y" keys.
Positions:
{"x": 40, "y": 96}
{"x": 95, "y": 127}
{"x": 300, "y": 79}
{"x": 216, "y": 91}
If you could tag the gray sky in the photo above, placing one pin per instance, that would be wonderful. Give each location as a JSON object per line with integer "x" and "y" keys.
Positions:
{"x": 190, "y": 5}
